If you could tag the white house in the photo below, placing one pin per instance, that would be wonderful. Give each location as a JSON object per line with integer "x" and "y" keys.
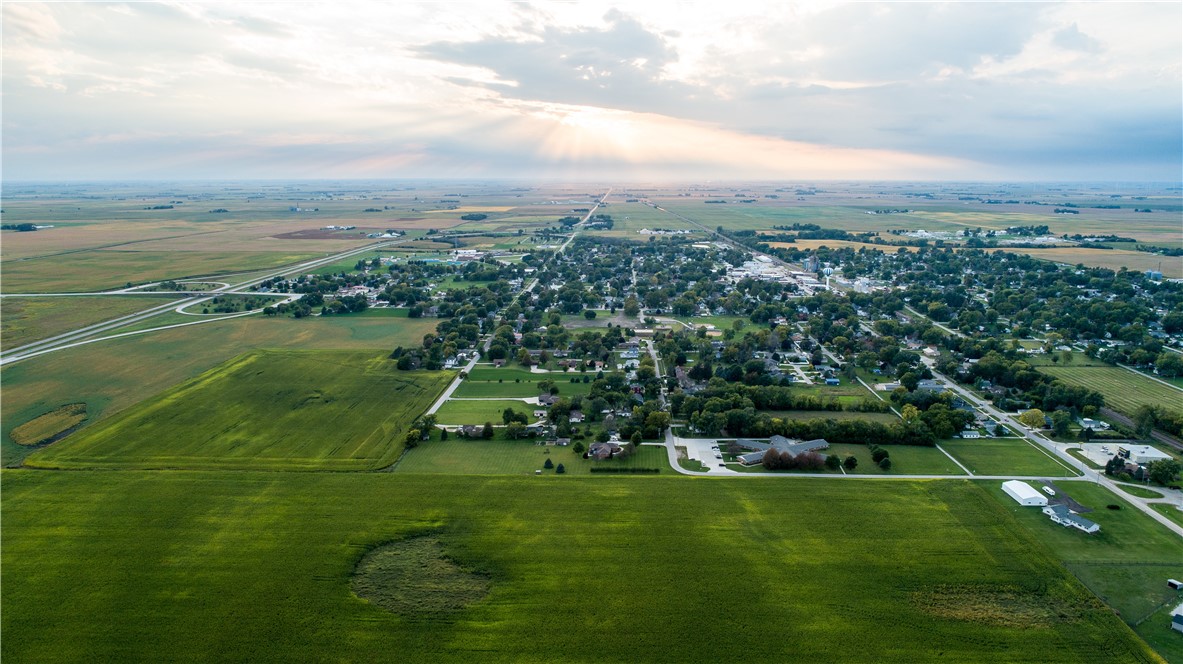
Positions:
{"x": 1024, "y": 494}
{"x": 1063, "y": 516}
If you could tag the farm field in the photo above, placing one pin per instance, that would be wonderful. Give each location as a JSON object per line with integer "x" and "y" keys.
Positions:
{"x": 24, "y": 320}
{"x": 478, "y": 412}
{"x": 104, "y": 270}
{"x": 1123, "y": 389}
{"x": 460, "y": 456}
{"x": 192, "y": 566}
{"x": 1005, "y": 456}
{"x": 1126, "y": 563}
{"x": 318, "y": 410}
{"x": 109, "y": 376}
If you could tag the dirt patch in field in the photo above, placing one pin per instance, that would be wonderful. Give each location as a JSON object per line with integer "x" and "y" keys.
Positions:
{"x": 416, "y": 578}
{"x": 1001, "y": 606}
{"x": 51, "y": 426}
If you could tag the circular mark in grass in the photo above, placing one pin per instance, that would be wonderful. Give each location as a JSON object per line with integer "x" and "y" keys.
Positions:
{"x": 416, "y": 578}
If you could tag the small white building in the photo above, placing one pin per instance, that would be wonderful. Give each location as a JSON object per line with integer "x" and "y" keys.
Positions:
{"x": 1142, "y": 454}
{"x": 971, "y": 433}
{"x": 1024, "y": 494}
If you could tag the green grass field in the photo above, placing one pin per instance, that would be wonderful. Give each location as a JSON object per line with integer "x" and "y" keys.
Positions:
{"x": 459, "y": 456}
{"x": 1126, "y": 563}
{"x": 479, "y": 412}
{"x": 905, "y": 460}
{"x": 126, "y": 566}
{"x": 1171, "y": 512}
{"x": 1005, "y": 456}
{"x": 109, "y": 376}
{"x": 264, "y": 410}
{"x": 24, "y": 320}
{"x": 519, "y": 385}
{"x": 102, "y": 270}
{"x": 1124, "y": 390}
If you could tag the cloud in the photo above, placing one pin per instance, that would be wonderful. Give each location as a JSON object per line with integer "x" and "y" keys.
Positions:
{"x": 1073, "y": 39}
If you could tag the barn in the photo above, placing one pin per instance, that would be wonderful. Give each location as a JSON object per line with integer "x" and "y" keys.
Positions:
{"x": 1024, "y": 494}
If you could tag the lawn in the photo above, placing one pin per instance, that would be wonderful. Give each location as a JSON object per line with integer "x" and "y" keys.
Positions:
{"x": 1170, "y": 511}
{"x": 460, "y": 456}
{"x": 905, "y": 460}
{"x": 478, "y": 412}
{"x": 111, "y": 375}
{"x": 831, "y": 415}
{"x": 1126, "y": 563}
{"x": 1124, "y": 390}
{"x": 24, "y": 320}
{"x": 519, "y": 386}
{"x": 199, "y": 566}
{"x": 305, "y": 410}
{"x": 1005, "y": 456}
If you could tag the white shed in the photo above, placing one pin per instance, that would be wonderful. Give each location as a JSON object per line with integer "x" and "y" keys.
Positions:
{"x": 1024, "y": 494}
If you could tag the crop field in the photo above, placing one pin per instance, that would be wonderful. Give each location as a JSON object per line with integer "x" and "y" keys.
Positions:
{"x": 104, "y": 270}
{"x": 109, "y": 376}
{"x": 1005, "y": 456}
{"x": 1126, "y": 563}
{"x": 130, "y": 566}
{"x": 1124, "y": 390}
{"x": 264, "y": 410}
{"x": 460, "y": 456}
{"x": 24, "y": 320}
{"x": 456, "y": 411}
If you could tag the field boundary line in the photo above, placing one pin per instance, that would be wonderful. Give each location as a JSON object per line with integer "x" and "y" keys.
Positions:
{"x": 954, "y": 460}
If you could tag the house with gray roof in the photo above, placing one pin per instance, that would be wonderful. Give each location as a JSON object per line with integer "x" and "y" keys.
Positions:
{"x": 780, "y": 444}
{"x": 1065, "y": 517}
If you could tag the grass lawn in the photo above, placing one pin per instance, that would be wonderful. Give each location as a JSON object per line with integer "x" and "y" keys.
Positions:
{"x": 478, "y": 412}
{"x": 460, "y": 456}
{"x": 1170, "y": 511}
{"x": 1126, "y": 563}
{"x": 198, "y": 566}
{"x": 905, "y": 460}
{"x": 109, "y": 376}
{"x": 1005, "y": 456}
{"x": 27, "y": 319}
{"x": 1140, "y": 491}
{"x": 1124, "y": 390}
{"x": 480, "y": 389}
{"x": 265, "y": 410}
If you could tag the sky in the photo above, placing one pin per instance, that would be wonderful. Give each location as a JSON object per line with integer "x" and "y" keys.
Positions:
{"x": 665, "y": 91}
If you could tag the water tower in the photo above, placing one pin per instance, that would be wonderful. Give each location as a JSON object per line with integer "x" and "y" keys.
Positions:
{"x": 828, "y": 271}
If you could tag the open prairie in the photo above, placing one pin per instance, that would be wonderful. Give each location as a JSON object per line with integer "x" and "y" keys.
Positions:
{"x": 296, "y": 410}
{"x": 235, "y": 566}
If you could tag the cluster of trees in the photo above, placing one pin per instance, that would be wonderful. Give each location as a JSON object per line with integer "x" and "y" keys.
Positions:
{"x": 23, "y": 228}
{"x": 1163, "y": 472}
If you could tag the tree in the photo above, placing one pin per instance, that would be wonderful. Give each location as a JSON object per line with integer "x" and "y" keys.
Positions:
{"x": 559, "y": 469}
{"x": 548, "y": 464}
{"x": 589, "y": 314}
{"x": 909, "y": 413}
{"x": 1032, "y": 419}
{"x": 1169, "y": 364}
{"x": 631, "y": 307}
{"x": 878, "y": 454}
{"x": 443, "y": 434}
{"x": 1163, "y": 471}
{"x": 487, "y": 432}
{"x": 885, "y": 463}
{"x": 1061, "y": 423}
{"x": 833, "y": 462}
{"x": 412, "y": 439}
{"x": 578, "y": 447}
{"x": 635, "y": 438}
{"x": 1144, "y": 420}
{"x": 515, "y": 430}
{"x": 850, "y": 463}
